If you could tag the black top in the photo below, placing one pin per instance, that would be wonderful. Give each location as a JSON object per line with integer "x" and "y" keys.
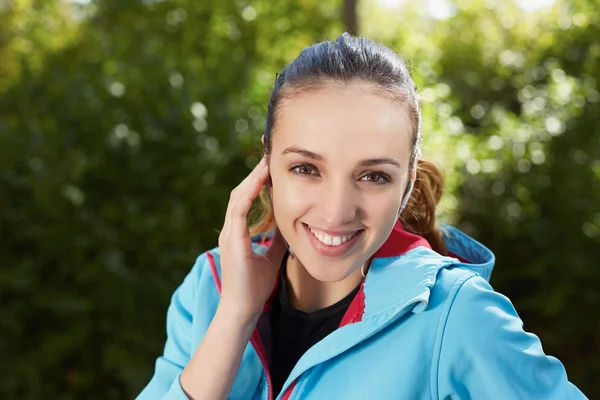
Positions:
{"x": 293, "y": 332}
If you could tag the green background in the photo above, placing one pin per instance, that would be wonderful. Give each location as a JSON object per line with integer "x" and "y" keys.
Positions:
{"x": 125, "y": 124}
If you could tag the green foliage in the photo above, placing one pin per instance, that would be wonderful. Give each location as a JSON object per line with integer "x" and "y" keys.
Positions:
{"x": 122, "y": 134}
{"x": 116, "y": 162}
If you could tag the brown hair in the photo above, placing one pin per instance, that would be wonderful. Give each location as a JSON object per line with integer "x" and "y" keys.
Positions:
{"x": 357, "y": 59}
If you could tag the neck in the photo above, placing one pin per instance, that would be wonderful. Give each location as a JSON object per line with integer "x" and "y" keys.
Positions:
{"x": 308, "y": 294}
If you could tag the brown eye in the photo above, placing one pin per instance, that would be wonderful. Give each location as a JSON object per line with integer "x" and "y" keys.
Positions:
{"x": 376, "y": 178}
{"x": 304, "y": 169}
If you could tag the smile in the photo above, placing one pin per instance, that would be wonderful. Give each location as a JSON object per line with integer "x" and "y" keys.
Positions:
{"x": 330, "y": 244}
{"x": 331, "y": 240}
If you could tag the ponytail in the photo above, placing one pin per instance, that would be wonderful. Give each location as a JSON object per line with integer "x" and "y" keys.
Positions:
{"x": 419, "y": 215}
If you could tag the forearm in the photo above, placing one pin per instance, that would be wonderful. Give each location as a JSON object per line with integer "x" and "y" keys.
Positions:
{"x": 214, "y": 366}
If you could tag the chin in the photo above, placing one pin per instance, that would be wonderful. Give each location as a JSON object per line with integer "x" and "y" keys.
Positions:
{"x": 328, "y": 272}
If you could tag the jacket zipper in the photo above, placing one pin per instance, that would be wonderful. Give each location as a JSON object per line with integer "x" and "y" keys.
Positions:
{"x": 257, "y": 343}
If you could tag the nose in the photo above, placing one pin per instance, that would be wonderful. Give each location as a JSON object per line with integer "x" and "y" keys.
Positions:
{"x": 338, "y": 205}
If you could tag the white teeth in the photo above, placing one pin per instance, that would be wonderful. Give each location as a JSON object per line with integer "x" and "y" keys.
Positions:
{"x": 332, "y": 240}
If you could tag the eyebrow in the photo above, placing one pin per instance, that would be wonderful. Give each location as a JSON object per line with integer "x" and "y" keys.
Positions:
{"x": 379, "y": 161}
{"x": 302, "y": 152}
{"x": 363, "y": 163}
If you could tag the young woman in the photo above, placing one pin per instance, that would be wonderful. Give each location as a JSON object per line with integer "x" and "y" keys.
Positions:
{"x": 347, "y": 289}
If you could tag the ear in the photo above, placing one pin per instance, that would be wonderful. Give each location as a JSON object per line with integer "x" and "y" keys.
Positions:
{"x": 262, "y": 139}
{"x": 413, "y": 174}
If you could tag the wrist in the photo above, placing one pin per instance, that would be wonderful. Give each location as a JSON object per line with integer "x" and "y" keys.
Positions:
{"x": 233, "y": 318}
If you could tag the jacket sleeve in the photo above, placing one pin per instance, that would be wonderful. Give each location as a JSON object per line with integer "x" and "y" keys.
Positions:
{"x": 164, "y": 384}
{"x": 486, "y": 354}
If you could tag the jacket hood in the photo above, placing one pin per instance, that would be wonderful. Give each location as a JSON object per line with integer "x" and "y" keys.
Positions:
{"x": 471, "y": 253}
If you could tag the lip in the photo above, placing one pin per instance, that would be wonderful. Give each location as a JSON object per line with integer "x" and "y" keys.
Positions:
{"x": 333, "y": 251}
{"x": 333, "y": 233}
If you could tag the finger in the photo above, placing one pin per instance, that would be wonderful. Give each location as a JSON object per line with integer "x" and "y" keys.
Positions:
{"x": 241, "y": 202}
{"x": 247, "y": 188}
{"x": 242, "y": 205}
{"x": 277, "y": 248}
{"x": 241, "y": 192}
{"x": 258, "y": 172}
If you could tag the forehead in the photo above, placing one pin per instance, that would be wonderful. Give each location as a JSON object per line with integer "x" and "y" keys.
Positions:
{"x": 351, "y": 121}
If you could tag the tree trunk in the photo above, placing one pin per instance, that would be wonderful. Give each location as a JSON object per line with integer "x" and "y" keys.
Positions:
{"x": 349, "y": 16}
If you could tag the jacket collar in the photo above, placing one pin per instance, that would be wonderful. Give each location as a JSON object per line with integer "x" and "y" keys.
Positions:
{"x": 404, "y": 269}
{"x": 402, "y": 273}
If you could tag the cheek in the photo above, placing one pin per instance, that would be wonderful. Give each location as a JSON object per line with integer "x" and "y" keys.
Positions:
{"x": 289, "y": 199}
{"x": 384, "y": 217}
{"x": 383, "y": 206}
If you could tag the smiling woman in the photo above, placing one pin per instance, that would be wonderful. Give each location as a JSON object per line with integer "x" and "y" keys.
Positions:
{"x": 346, "y": 287}
{"x": 354, "y": 119}
{"x": 342, "y": 157}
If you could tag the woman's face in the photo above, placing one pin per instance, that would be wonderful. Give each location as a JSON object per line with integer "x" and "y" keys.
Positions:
{"x": 339, "y": 166}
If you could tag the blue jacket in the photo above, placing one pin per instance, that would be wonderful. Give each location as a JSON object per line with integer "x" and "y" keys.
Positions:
{"x": 423, "y": 326}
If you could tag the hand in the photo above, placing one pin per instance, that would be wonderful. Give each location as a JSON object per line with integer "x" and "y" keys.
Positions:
{"x": 247, "y": 278}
